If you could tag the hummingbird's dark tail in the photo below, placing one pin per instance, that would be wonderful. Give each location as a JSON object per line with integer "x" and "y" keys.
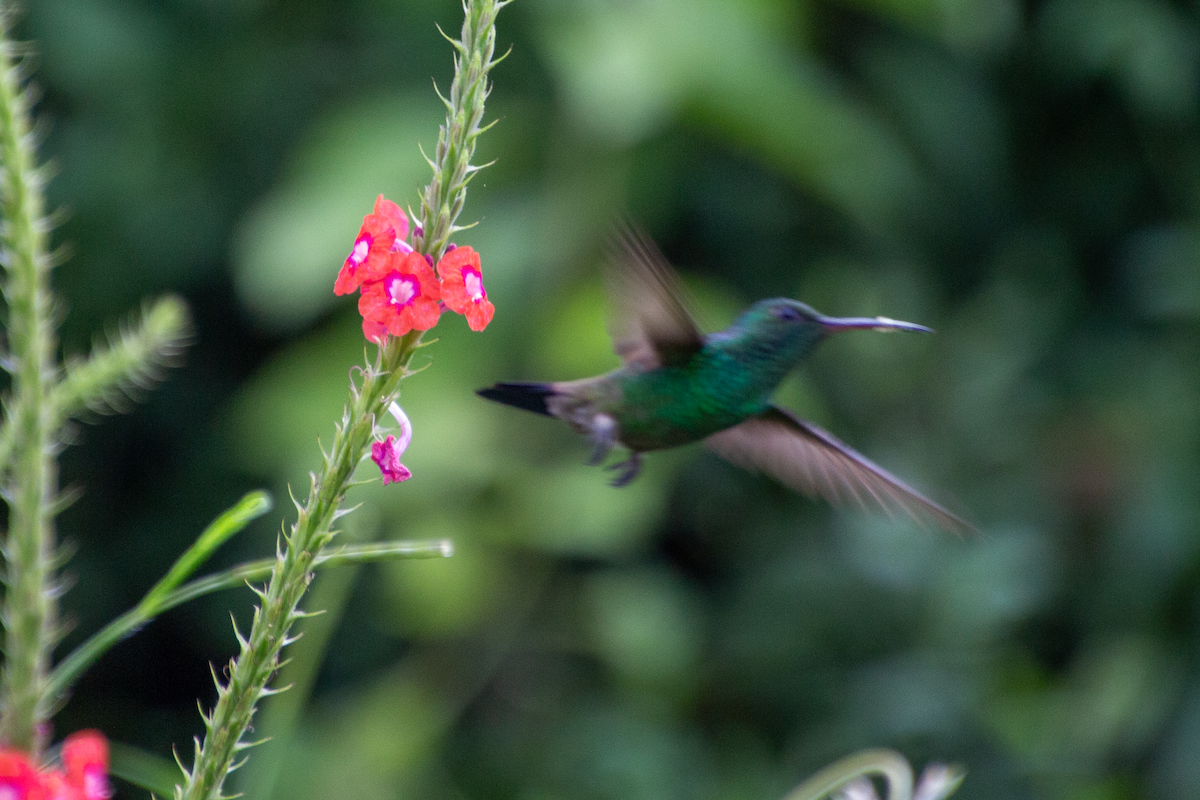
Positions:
{"x": 529, "y": 396}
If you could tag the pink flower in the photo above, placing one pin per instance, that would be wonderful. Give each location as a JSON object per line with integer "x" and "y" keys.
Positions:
{"x": 399, "y": 221}
{"x": 386, "y": 454}
{"x": 84, "y": 775}
{"x": 383, "y": 231}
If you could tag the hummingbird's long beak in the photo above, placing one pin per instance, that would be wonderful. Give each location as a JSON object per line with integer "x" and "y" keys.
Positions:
{"x": 836, "y": 324}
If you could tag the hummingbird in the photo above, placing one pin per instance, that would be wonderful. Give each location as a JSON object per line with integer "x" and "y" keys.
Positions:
{"x": 677, "y": 385}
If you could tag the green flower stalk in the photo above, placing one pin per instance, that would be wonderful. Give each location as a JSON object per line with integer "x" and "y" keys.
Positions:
{"x": 259, "y": 657}
{"x": 849, "y": 777}
{"x": 30, "y": 606}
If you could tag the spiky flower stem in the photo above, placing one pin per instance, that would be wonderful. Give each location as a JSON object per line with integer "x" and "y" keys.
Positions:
{"x": 259, "y": 658}
{"x": 30, "y": 604}
{"x": 452, "y": 168}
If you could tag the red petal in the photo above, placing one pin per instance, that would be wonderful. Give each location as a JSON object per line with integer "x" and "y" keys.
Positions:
{"x": 424, "y": 313}
{"x": 394, "y": 215}
{"x": 83, "y": 749}
{"x": 479, "y": 314}
{"x": 374, "y": 331}
{"x": 458, "y": 258}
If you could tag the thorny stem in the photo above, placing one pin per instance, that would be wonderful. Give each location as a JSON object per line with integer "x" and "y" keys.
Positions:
{"x": 452, "y": 168}
{"x": 30, "y": 602}
{"x": 252, "y": 669}
{"x": 258, "y": 660}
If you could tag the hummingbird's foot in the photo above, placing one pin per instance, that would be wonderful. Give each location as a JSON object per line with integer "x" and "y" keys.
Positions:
{"x": 630, "y": 468}
{"x": 602, "y": 431}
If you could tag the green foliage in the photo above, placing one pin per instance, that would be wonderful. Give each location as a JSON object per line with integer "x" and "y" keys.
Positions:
{"x": 1021, "y": 177}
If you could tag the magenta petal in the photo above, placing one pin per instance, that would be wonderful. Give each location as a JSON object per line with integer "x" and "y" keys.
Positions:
{"x": 387, "y": 456}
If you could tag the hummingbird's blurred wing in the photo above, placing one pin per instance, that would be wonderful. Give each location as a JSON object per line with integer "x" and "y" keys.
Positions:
{"x": 803, "y": 457}
{"x": 649, "y": 323}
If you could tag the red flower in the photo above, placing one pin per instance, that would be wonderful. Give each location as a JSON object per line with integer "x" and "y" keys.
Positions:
{"x": 375, "y": 239}
{"x": 462, "y": 287}
{"x": 85, "y": 757}
{"x": 401, "y": 294}
{"x": 19, "y": 780}
{"x": 384, "y": 229}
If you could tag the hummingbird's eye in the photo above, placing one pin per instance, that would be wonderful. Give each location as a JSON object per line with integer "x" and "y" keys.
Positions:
{"x": 786, "y": 313}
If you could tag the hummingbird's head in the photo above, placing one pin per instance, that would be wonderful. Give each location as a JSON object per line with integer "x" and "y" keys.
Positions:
{"x": 781, "y": 324}
{"x": 795, "y": 328}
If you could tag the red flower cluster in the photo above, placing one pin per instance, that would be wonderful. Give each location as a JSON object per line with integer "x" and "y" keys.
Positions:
{"x": 84, "y": 775}
{"x": 400, "y": 291}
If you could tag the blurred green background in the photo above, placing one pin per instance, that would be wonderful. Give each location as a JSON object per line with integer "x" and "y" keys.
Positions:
{"x": 1023, "y": 177}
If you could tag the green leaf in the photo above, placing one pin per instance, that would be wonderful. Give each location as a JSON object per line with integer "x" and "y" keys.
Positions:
{"x": 158, "y": 599}
{"x": 248, "y": 509}
{"x": 150, "y": 772}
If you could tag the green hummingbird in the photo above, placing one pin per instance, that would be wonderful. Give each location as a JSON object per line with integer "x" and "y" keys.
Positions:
{"x": 676, "y": 385}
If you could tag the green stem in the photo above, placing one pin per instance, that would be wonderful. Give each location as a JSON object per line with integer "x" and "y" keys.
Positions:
{"x": 258, "y": 659}
{"x": 30, "y": 606}
{"x": 105, "y": 380}
{"x": 277, "y": 720}
{"x": 888, "y": 763}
